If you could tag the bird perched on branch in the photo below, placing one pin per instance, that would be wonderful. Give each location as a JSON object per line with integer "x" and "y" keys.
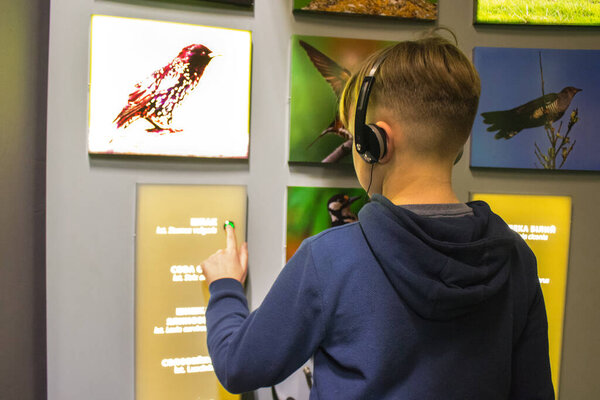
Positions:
{"x": 336, "y": 76}
{"x": 339, "y": 209}
{"x": 529, "y": 115}
{"x": 155, "y": 97}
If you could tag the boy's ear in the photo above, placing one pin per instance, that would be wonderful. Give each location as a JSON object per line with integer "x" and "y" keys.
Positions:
{"x": 389, "y": 141}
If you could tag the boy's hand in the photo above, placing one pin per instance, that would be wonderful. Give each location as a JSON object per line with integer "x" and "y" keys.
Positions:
{"x": 229, "y": 262}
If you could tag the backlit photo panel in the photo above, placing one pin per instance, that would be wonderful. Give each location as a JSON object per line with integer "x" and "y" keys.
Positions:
{"x": 311, "y": 210}
{"x": 544, "y": 222}
{"x": 236, "y": 2}
{"x": 321, "y": 66}
{"x": 537, "y": 12}
{"x": 178, "y": 227}
{"x": 420, "y": 10}
{"x": 169, "y": 89}
{"x": 522, "y": 124}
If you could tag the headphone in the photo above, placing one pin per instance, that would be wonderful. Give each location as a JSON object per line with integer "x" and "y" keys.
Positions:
{"x": 370, "y": 139}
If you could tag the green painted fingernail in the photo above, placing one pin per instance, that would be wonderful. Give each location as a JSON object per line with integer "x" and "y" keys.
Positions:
{"x": 230, "y": 223}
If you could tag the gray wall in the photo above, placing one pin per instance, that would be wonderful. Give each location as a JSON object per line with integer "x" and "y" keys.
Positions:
{"x": 90, "y": 203}
{"x": 23, "y": 73}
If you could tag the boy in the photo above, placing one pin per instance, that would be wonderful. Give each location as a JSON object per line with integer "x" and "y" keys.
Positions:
{"x": 423, "y": 298}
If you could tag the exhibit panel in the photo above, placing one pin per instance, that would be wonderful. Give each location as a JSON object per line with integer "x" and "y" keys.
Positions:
{"x": 178, "y": 226}
{"x": 311, "y": 210}
{"x": 537, "y": 12}
{"x": 168, "y": 95}
{"x": 544, "y": 222}
{"x": 247, "y": 3}
{"x": 538, "y": 109}
{"x": 418, "y": 10}
{"x": 320, "y": 67}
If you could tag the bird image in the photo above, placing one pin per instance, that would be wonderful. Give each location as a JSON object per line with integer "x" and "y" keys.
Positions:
{"x": 338, "y": 207}
{"x": 529, "y": 115}
{"x": 336, "y": 76}
{"x": 155, "y": 97}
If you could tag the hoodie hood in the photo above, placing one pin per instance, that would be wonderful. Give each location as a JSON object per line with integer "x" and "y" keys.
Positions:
{"x": 442, "y": 267}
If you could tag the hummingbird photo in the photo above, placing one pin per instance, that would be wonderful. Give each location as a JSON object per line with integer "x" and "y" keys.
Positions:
{"x": 336, "y": 76}
{"x": 155, "y": 97}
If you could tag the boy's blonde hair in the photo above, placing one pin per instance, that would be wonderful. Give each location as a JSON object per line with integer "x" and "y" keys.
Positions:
{"x": 430, "y": 88}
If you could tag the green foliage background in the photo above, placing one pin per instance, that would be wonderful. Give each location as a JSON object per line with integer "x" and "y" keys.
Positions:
{"x": 539, "y": 12}
{"x": 307, "y": 213}
{"x": 313, "y": 103}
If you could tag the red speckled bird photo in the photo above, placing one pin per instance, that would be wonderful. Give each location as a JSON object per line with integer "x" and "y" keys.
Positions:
{"x": 168, "y": 89}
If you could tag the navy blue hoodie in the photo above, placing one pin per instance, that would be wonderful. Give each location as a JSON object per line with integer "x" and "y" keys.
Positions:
{"x": 397, "y": 306}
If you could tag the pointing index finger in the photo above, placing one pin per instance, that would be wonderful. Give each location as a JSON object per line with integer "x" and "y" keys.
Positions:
{"x": 231, "y": 240}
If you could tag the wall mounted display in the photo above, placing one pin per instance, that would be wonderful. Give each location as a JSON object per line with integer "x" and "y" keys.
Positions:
{"x": 311, "y": 210}
{"x": 519, "y": 127}
{"x": 236, "y": 2}
{"x": 320, "y": 68}
{"x": 170, "y": 89}
{"x": 424, "y": 10}
{"x": 537, "y": 12}
{"x": 178, "y": 226}
{"x": 544, "y": 222}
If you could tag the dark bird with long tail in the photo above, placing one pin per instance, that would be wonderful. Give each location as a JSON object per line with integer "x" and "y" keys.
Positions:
{"x": 155, "y": 98}
{"x": 548, "y": 108}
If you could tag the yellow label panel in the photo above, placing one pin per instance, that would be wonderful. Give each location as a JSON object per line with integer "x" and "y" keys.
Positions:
{"x": 545, "y": 224}
{"x": 178, "y": 226}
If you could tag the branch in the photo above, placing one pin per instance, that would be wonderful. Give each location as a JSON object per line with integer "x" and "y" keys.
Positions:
{"x": 339, "y": 152}
{"x": 566, "y": 154}
{"x": 540, "y": 156}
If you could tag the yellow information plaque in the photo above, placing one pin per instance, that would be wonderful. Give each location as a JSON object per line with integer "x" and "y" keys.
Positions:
{"x": 544, "y": 222}
{"x": 178, "y": 226}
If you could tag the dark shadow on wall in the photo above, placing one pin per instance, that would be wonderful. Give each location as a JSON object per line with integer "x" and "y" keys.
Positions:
{"x": 24, "y": 29}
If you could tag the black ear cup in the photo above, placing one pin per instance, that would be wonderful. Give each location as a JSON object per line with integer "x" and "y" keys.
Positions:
{"x": 376, "y": 143}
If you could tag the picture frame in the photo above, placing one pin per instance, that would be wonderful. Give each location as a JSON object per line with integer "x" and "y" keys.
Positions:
{"x": 168, "y": 96}
{"x": 412, "y": 10}
{"x": 537, "y": 13}
{"x": 514, "y": 128}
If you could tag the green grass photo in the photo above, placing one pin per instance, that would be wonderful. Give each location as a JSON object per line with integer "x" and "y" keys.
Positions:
{"x": 538, "y": 12}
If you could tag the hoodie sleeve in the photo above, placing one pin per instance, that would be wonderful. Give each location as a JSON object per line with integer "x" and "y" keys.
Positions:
{"x": 262, "y": 348}
{"x": 531, "y": 376}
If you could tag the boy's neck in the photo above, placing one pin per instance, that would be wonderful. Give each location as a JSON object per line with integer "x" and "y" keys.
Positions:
{"x": 421, "y": 186}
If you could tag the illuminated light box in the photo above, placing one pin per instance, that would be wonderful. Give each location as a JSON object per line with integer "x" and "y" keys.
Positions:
{"x": 168, "y": 89}
{"x": 537, "y": 12}
{"x": 178, "y": 226}
{"x": 512, "y": 129}
{"x": 311, "y": 210}
{"x": 236, "y": 2}
{"x": 320, "y": 68}
{"x": 544, "y": 222}
{"x": 420, "y": 10}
